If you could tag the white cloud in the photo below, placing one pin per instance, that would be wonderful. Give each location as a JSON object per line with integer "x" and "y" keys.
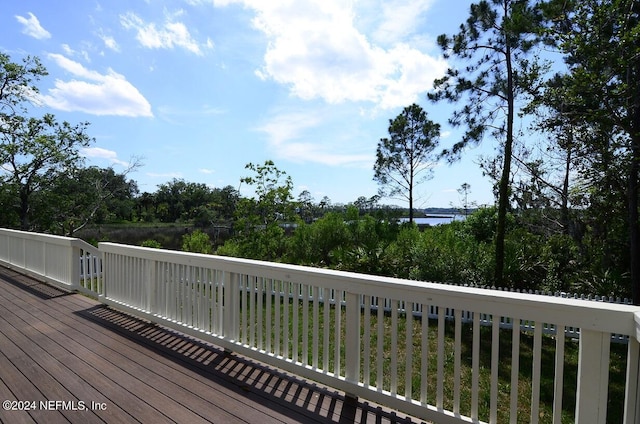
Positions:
{"x": 94, "y": 93}
{"x": 289, "y": 136}
{"x": 68, "y": 50}
{"x": 315, "y": 48}
{"x": 399, "y": 19}
{"x": 110, "y": 42}
{"x": 32, "y": 27}
{"x": 71, "y": 52}
{"x": 171, "y": 34}
{"x": 100, "y": 153}
{"x": 206, "y": 171}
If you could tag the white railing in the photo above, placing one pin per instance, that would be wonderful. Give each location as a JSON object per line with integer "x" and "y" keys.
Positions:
{"x": 277, "y": 314}
{"x": 312, "y": 322}
{"x": 63, "y": 261}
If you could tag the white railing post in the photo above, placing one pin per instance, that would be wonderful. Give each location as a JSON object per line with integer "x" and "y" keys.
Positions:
{"x": 106, "y": 264}
{"x": 632, "y": 391}
{"x": 231, "y": 305}
{"x": 352, "y": 338}
{"x": 74, "y": 267}
{"x": 593, "y": 377}
{"x": 151, "y": 286}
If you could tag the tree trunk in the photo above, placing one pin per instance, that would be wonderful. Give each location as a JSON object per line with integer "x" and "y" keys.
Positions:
{"x": 503, "y": 203}
{"x": 634, "y": 233}
{"x": 411, "y": 200}
{"x": 24, "y": 210}
{"x": 503, "y": 195}
{"x": 633, "y": 71}
{"x": 634, "y": 225}
{"x": 564, "y": 208}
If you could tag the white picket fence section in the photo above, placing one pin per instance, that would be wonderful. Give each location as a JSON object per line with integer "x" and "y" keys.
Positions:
{"x": 313, "y": 322}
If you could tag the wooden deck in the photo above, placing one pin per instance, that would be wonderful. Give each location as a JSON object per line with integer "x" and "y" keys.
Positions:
{"x": 68, "y": 358}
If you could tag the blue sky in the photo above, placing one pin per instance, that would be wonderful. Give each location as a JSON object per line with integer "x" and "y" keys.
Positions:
{"x": 199, "y": 88}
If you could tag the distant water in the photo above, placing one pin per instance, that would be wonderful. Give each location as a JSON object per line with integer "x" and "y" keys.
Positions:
{"x": 435, "y": 219}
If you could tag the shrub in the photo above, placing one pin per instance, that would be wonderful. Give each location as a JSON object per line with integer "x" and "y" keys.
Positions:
{"x": 197, "y": 242}
{"x": 151, "y": 243}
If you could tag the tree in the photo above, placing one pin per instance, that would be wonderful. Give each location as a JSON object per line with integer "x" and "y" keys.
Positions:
{"x": 273, "y": 200}
{"x": 17, "y": 83}
{"x": 305, "y": 206}
{"x": 558, "y": 116}
{"x": 464, "y": 191}
{"x": 34, "y": 153}
{"x": 180, "y": 200}
{"x": 404, "y": 159}
{"x": 87, "y": 195}
{"x": 600, "y": 39}
{"x": 492, "y": 46}
{"x": 260, "y": 219}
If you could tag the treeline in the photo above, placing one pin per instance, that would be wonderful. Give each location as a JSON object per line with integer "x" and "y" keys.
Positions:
{"x": 589, "y": 257}
{"x": 364, "y": 236}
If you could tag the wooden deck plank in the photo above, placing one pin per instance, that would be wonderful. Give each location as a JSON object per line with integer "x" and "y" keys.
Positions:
{"x": 187, "y": 389}
{"x": 15, "y": 386}
{"x": 61, "y": 362}
{"x": 182, "y": 347}
{"x": 107, "y": 364}
{"x": 47, "y": 387}
{"x": 142, "y": 371}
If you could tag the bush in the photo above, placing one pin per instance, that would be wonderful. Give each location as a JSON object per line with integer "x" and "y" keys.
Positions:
{"x": 447, "y": 253}
{"x": 197, "y": 242}
{"x": 483, "y": 222}
{"x": 401, "y": 255}
{"x": 315, "y": 244}
{"x": 151, "y": 243}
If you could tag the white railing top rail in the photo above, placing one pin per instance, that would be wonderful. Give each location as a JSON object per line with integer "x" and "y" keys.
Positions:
{"x": 50, "y": 239}
{"x": 585, "y": 314}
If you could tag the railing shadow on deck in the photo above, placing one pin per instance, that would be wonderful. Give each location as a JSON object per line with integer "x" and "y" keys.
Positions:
{"x": 37, "y": 288}
{"x": 285, "y": 392}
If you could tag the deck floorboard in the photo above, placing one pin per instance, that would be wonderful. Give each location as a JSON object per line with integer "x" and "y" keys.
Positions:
{"x": 65, "y": 347}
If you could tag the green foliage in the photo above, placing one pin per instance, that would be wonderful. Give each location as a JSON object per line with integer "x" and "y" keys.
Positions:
{"x": 401, "y": 254}
{"x": 368, "y": 241}
{"x": 260, "y": 221}
{"x": 448, "y": 253}
{"x": 182, "y": 201}
{"x": 344, "y": 241}
{"x": 605, "y": 76}
{"x": 36, "y": 153}
{"x": 151, "y": 243}
{"x": 482, "y": 223}
{"x": 315, "y": 244}
{"x": 273, "y": 200}
{"x": 197, "y": 242}
{"x": 84, "y": 195}
{"x": 561, "y": 253}
{"x": 16, "y": 81}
